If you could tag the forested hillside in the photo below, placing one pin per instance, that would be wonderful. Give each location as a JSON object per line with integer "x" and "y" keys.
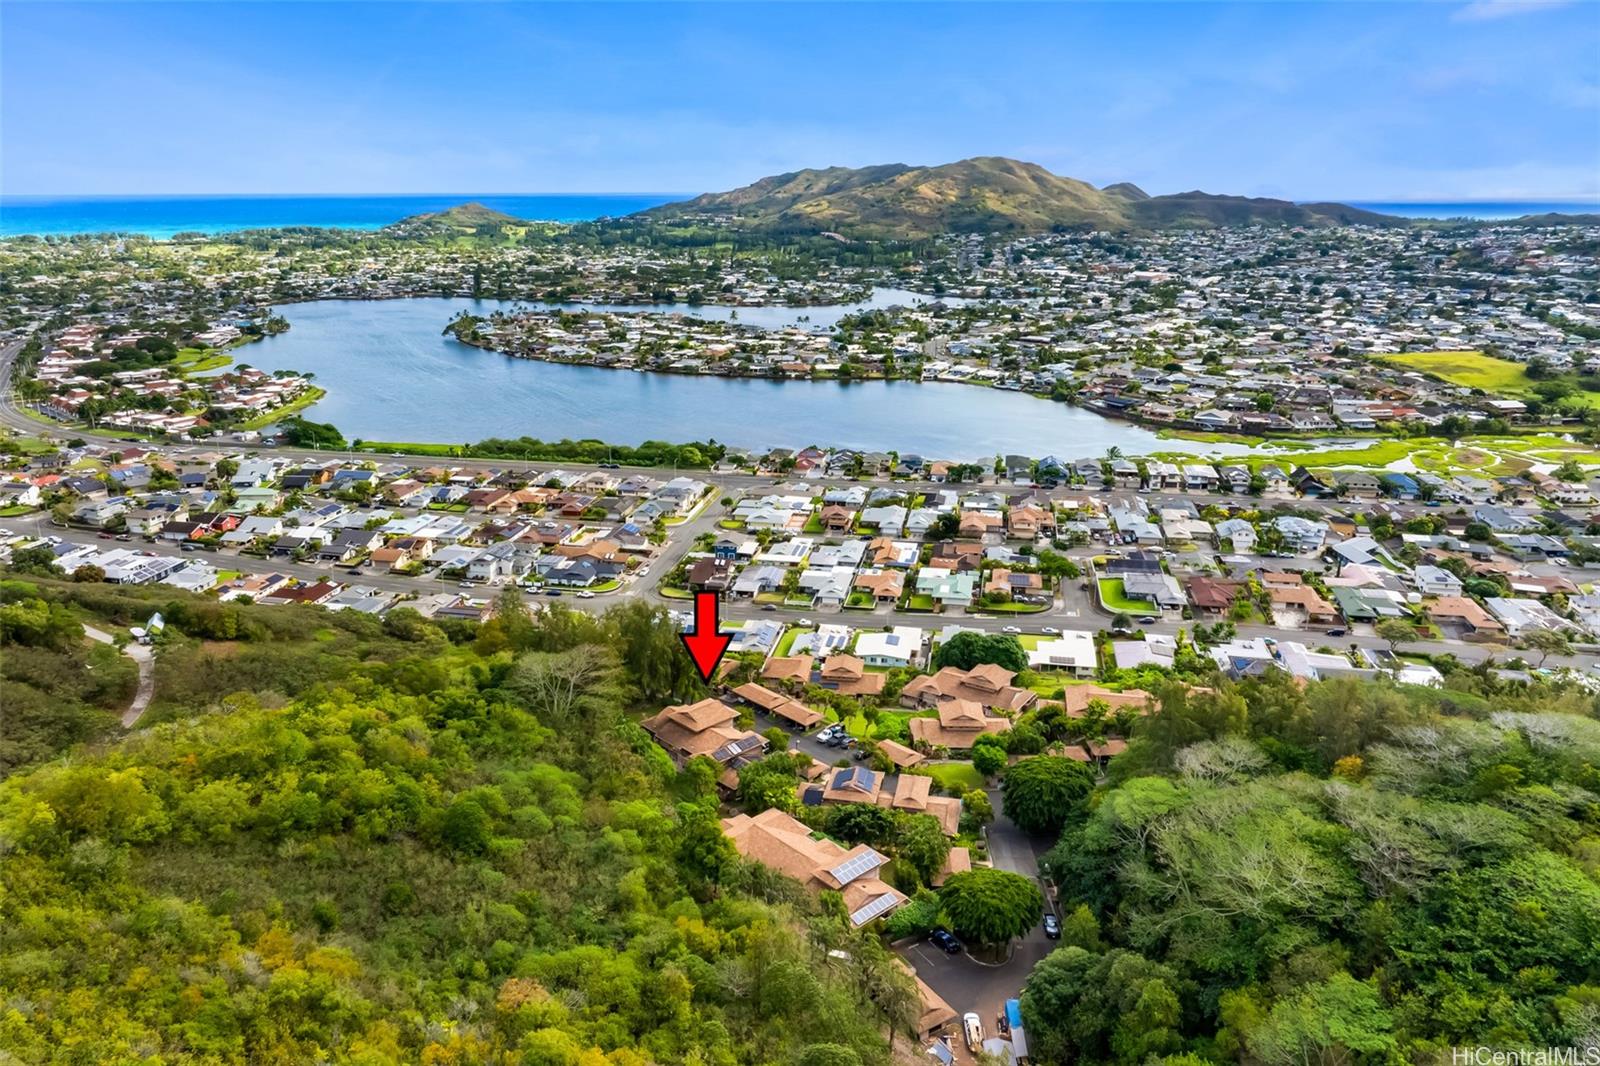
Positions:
{"x": 1347, "y": 872}
{"x": 397, "y": 841}
{"x": 444, "y": 847}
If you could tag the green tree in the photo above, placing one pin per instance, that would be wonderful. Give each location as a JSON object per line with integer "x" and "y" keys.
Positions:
{"x": 1547, "y": 642}
{"x": 1041, "y": 792}
{"x": 1330, "y": 1022}
{"x": 1395, "y": 632}
{"x": 968, "y": 649}
{"x": 863, "y": 823}
{"x": 920, "y": 840}
{"x": 990, "y": 906}
{"x": 988, "y": 759}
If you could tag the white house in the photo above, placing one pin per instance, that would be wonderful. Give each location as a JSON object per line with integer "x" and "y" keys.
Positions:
{"x": 901, "y": 646}
{"x": 1072, "y": 651}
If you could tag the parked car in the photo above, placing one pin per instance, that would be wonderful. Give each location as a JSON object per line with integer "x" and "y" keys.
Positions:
{"x": 1050, "y": 631}
{"x": 1336, "y": 632}
{"x": 768, "y": 607}
{"x": 972, "y": 1030}
{"x": 828, "y": 732}
{"x": 106, "y": 536}
{"x": 356, "y": 570}
{"x": 1052, "y": 927}
{"x": 124, "y": 536}
{"x": 945, "y": 941}
{"x": 1148, "y": 619}
{"x": 552, "y": 592}
{"x": 585, "y": 595}
{"x": 1011, "y": 629}
{"x": 804, "y": 622}
{"x": 467, "y": 585}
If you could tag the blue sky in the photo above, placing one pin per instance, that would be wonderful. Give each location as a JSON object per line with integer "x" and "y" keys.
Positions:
{"x": 1492, "y": 99}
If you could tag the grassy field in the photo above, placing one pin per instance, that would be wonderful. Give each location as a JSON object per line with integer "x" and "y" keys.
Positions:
{"x": 1115, "y": 599}
{"x": 277, "y": 414}
{"x": 956, "y": 776}
{"x": 1474, "y": 370}
{"x": 199, "y": 360}
{"x": 786, "y": 641}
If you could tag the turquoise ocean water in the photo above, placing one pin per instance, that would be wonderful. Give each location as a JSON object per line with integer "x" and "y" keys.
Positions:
{"x": 162, "y": 216}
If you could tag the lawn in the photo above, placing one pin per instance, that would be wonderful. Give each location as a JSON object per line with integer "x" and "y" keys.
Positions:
{"x": 1012, "y": 608}
{"x": 199, "y": 360}
{"x": 889, "y": 724}
{"x": 1471, "y": 369}
{"x": 956, "y": 776}
{"x": 16, "y": 509}
{"x": 277, "y": 414}
{"x": 918, "y": 602}
{"x": 786, "y": 641}
{"x": 1114, "y": 599}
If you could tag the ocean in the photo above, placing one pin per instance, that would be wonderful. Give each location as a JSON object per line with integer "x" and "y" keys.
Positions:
{"x": 162, "y": 216}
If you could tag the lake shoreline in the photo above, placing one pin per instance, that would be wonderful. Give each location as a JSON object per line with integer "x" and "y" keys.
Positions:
{"x": 393, "y": 374}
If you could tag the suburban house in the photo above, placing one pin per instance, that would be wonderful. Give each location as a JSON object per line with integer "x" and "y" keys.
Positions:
{"x": 784, "y": 843}
{"x": 778, "y": 705}
{"x": 1458, "y": 616}
{"x": 960, "y": 723}
{"x": 849, "y": 676}
{"x": 884, "y": 586}
{"x": 1072, "y": 651}
{"x": 901, "y": 646}
{"x": 706, "y": 728}
{"x": 987, "y": 685}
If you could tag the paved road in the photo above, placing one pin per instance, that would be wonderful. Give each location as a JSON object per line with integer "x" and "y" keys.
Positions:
{"x": 142, "y": 656}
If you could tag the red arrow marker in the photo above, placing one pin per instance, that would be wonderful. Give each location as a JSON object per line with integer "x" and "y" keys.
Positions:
{"x": 706, "y": 642}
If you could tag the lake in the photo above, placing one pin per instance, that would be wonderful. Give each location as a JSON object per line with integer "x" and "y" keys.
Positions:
{"x": 392, "y": 375}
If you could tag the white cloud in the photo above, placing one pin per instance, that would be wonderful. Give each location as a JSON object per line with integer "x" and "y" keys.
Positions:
{"x": 1487, "y": 10}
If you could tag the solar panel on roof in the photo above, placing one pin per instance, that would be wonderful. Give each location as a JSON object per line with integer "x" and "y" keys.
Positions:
{"x": 812, "y": 797}
{"x": 869, "y": 911}
{"x": 851, "y": 869}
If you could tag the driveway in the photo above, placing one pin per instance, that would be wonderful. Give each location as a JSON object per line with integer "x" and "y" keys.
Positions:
{"x": 141, "y": 655}
{"x": 968, "y": 985}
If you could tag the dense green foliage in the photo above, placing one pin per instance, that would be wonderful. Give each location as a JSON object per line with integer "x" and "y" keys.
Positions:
{"x": 649, "y": 453}
{"x": 56, "y": 689}
{"x": 990, "y": 906}
{"x": 1345, "y": 872}
{"x": 1042, "y": 792}
{"x": 970, "y": 648}
{"x": 455, "y": 847}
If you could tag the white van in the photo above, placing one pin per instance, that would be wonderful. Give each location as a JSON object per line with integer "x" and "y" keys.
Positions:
{"x": 972, "y": 1029}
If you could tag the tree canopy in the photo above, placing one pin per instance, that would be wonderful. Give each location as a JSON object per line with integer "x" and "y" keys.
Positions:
{"x": 1040, "y": 793}
{"x": 968, "y": 649}
{"x": 990, "y": 906}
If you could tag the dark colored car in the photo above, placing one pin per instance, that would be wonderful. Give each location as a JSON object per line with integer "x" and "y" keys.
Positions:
{"x": 1335, "y": 632}
{"x": 945, "y": 941}
{"x": 1052, "y": 927}
{"x": 552, "y": 592}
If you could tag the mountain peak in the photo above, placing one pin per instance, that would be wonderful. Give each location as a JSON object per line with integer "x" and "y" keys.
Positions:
{"x": 984, "y": 194}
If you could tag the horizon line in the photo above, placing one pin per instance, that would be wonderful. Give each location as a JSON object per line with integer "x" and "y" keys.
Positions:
{"x": 9, "y": 196}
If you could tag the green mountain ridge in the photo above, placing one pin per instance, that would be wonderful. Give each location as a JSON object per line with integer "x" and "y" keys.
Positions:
{"x": 987, "y": 194}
